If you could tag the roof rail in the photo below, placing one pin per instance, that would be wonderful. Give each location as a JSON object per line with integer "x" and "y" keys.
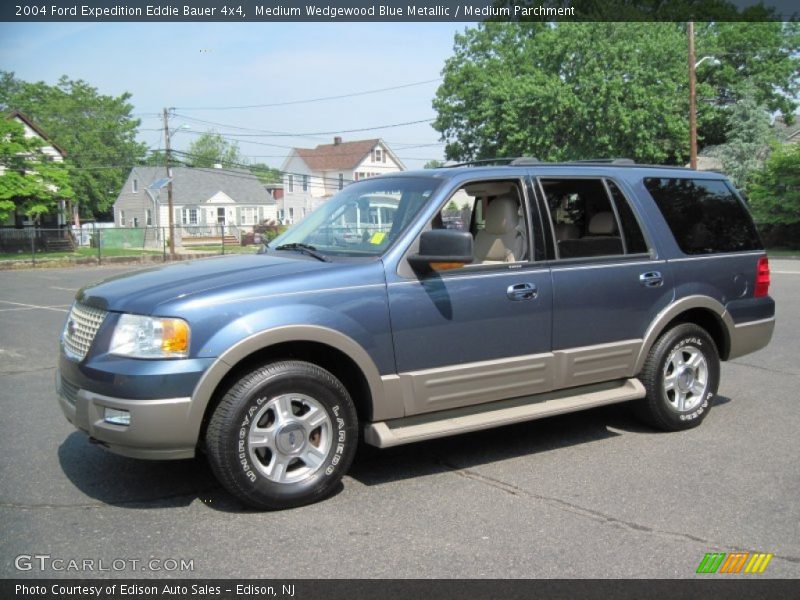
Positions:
{"x": 481, "y": 161}
{"x": 524, "y": 160}
{"x": 605, "y": 161}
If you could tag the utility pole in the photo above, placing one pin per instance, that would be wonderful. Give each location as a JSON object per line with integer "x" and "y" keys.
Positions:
{"x": 169, "y": 188}
{"x": 692, "y": 100}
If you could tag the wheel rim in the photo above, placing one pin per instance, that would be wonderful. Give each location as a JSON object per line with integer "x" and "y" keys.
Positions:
{"x": 289, "y": 438}
{"x": 685, "y": 378}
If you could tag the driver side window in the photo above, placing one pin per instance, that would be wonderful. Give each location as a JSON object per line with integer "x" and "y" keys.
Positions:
{"x": 492, "y": 212}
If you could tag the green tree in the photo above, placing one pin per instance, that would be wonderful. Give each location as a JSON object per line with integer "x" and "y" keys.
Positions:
{"x": 31, "y": 182}
{"x": 97, "y": 132}
{"x": 582, "y": 90}
{"x": 210, "y": 149}
{"x": 775, "y": 191}
{"x": 749, "y": 138}
{"x": 265, "y": 173}
{"x": 433, "y": 164}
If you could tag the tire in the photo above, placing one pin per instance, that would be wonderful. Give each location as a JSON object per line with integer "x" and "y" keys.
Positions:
{"x": 283, "y": 435}
{"x": 681, "y": 376}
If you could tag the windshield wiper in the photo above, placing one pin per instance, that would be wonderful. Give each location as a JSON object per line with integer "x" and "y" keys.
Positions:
{"x": 305, "y": 249}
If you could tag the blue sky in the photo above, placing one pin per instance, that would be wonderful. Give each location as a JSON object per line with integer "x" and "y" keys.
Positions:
{"x": 187, "y": 65}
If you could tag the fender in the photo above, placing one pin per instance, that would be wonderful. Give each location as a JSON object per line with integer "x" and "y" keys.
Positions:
{"x": 675, "y": 309}
{"x": 286, "y": 333}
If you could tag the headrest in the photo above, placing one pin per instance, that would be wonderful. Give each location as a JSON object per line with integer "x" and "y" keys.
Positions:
{"x": 502, "y": 215}
{"x": 602, "y": 223}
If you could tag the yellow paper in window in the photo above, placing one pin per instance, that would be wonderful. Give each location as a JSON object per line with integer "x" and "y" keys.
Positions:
{"x": 377, "y": 238}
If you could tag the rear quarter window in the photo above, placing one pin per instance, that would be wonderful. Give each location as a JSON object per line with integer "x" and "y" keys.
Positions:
{"x": 705, "y": 216}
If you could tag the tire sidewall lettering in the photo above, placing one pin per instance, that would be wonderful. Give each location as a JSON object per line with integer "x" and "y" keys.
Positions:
{"x": 700, "y": 344}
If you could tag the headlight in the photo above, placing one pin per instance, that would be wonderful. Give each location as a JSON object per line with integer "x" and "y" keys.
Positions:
{"x": 150, "y": 337}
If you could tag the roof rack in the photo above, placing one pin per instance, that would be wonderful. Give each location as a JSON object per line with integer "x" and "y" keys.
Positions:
{"x": 482, "y": 161}
{"x": 524, "y": 160}
{"x": 604, "y": 161}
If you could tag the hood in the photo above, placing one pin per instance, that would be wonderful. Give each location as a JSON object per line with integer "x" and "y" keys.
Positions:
{"x": 143, "y": 291}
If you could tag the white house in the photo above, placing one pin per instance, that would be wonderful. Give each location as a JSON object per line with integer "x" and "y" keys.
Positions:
{"x": 312, "y": 175}
{"x": 49, "y": 150}
{"x": 207, "y": 202}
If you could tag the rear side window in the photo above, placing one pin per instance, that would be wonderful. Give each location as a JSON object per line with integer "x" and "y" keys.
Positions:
{"x": 634, "y": 240}
{"x": 704, "y": 215}
{"x": 587, "y": 222}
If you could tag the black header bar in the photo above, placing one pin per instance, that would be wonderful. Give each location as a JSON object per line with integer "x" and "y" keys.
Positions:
{"x": 394, "y": 11}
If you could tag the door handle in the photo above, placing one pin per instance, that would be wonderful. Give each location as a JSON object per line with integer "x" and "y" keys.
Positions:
{"x": 651, "y": 279}
{"x": 522, "y": 291}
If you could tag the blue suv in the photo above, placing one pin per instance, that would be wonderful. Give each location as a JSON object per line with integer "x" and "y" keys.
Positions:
{"x": 460, "y": 299}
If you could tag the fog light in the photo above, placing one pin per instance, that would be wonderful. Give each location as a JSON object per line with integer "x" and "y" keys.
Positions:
{"x": 117, "y": 417}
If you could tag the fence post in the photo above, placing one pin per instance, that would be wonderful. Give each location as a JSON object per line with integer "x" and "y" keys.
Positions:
{"x": 223, "y": 238}
{"x": 32, "y": 233}
{"x": 164, "y": 242}
{"x": 98, "y": 234}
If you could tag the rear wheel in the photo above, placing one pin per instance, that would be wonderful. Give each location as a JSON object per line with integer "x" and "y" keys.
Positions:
{"x": 283, "y": 435}
{"x": 681, "y": 376}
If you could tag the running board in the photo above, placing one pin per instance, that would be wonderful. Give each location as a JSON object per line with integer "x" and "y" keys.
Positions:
{"x": 385, "y": 434}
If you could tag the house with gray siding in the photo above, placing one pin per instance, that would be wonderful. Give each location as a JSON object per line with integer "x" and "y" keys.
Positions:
{"x": 207, "y": 202}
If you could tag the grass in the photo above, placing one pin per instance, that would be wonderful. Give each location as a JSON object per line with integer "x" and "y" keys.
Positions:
{"x": 783, "y": 252}
{"x": 123, "y": 252}
{"x": 79, "y": 253}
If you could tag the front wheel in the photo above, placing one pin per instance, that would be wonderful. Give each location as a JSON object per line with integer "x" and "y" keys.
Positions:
{"x": 681, "y": 376}
{"x": 283, "y": 435}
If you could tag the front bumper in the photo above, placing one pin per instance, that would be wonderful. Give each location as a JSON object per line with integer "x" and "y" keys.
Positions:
{"x": 159, "y": 428}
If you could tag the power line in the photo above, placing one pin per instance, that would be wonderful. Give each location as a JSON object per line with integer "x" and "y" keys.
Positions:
{"x": 309, "y": 100}
{"x": 307, "y": 134}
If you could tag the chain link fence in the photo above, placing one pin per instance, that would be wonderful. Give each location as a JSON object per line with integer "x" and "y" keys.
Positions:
{"x": 98, "y": 244}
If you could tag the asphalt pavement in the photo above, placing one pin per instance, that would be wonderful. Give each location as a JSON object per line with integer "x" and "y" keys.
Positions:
{"x": 592, "y": 494}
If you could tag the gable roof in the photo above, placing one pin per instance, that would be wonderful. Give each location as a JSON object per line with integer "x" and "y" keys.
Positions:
{"x": 196, "y": 185}
{"x": 331, "y": 157}
{"x": 18, "y": 114}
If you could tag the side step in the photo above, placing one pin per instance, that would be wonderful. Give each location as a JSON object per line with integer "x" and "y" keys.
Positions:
{"x": 385, "y": 434}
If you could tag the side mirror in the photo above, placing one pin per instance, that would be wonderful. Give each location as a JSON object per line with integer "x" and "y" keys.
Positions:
{"x": 442, "y": 249}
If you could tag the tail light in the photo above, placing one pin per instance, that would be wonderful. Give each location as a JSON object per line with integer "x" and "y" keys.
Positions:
{"x": 762, "y": 278}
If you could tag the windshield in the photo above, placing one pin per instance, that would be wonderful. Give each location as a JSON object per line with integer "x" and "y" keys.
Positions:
{"x": 363, "y": 219}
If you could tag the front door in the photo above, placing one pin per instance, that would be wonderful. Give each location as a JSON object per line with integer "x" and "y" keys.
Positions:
{"x": 220, "y": 216}
{"x": 482, "y": 332}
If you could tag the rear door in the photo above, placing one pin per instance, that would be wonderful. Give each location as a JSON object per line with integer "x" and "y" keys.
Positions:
{"x": 608, "y": 282}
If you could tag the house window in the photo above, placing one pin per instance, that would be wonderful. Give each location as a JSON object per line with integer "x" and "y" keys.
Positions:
{"x": 136, "y": 221}
{"x": 135, "y": 186}
{"x": 189, "y": 216}
{"x": 341, "y": 181}
{"x": 378, "y": 155}
{"x": 291, "y": 183}
{"x": 149, "y": 215}
{"x": 305, "y": 183}
{"x": 280, "y": 215}
{"x": 122, "y": 218}
{"x": 291, "y": 214}
{"x": 249, "y": 215}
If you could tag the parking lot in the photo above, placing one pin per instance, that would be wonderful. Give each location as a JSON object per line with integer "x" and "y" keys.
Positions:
{"x": 592, "y": 494}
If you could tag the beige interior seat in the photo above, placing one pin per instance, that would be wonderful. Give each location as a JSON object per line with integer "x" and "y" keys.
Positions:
{"x": 567, "y": 231}
{"x": 602, "y": 239}
{"x": 502, "y": 239}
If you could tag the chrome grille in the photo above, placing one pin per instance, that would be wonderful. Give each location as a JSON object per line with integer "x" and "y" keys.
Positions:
{"x": 82, "y": 325}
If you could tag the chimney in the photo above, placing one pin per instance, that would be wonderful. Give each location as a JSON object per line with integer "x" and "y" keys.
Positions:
{"x": 337, "y": 140}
